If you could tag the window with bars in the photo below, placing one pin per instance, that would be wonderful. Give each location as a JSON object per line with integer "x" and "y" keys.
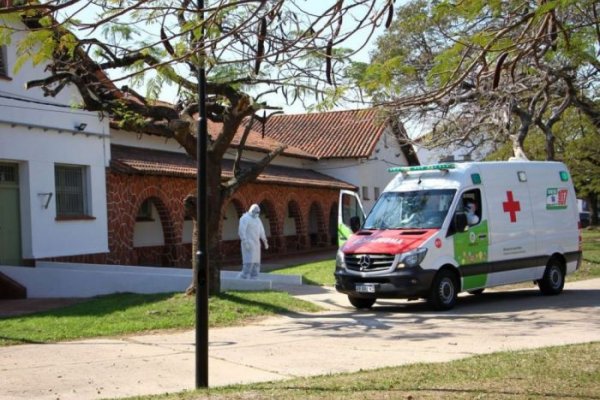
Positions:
{"x": 8, "y": 174}
{"x": 71, "y": 190}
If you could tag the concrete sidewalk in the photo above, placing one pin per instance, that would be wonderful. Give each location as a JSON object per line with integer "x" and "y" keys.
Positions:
{"x": 339, "y": 340}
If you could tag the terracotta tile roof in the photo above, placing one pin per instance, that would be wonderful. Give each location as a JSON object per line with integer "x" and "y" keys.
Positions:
{"x": 256, "y": 142}
{"x": 139, "y": 161}
{"x": 336, "y": 134}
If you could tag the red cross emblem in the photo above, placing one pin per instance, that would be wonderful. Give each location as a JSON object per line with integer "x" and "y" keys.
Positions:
{"x": 511, "y": 206}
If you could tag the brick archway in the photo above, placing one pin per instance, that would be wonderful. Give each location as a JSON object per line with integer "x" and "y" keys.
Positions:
{"x": 166, "y": 254}
{"x": 126, "y": 194}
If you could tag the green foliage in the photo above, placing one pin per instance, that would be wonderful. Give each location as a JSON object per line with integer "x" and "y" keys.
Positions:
{"x": 446, "y": 64}
{"x": 118, "y": 32}
{"x": 37, "y": 47}
{"x": 127, "y": 117}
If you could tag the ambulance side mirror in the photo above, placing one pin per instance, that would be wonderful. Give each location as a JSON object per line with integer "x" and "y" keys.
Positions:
{"x": 460, "y": 222}
{"x": 354, "y": 224}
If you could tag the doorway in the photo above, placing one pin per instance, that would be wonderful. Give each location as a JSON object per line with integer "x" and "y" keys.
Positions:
{"x": 10, "y": 217}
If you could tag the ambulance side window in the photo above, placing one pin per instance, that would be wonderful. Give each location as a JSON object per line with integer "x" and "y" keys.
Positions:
{"x": 468, "y": 212}
{"x": 471, "y": 201}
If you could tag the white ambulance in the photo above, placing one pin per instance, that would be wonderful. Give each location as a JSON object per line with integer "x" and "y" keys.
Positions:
{"x": 442, "y": 229}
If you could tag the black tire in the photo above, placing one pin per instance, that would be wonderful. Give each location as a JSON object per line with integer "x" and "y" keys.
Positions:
{"x": 444, "y": 291}
{"x": 476, "y": 292}
{"x": 553, "y": 281}
{"x": 361, "y": 302}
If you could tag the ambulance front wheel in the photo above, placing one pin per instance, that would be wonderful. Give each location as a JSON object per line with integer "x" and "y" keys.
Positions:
{"x": 444, "y": 291}
{"x": 553, "y": 280}
{"x": 360, "y": 302}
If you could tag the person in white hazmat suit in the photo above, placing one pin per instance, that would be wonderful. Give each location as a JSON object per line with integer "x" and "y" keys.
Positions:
{"x": 251, "y": 232}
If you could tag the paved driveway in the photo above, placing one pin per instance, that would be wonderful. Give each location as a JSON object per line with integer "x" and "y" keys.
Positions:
{"x": 339, "y": 340}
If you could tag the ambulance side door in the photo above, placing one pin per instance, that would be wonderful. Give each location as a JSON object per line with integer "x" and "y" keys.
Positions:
{"x": 350, "y": 211}
{"x": 472, "y": 243}
{"x": 512, "y": 234}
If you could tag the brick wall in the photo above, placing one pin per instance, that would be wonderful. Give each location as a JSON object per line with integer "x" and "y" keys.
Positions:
{"x": 126, "y": 193}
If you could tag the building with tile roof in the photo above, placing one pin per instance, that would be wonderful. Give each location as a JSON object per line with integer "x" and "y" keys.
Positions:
{"x": 82, "y": 190}
{"x": 356, "y": 146}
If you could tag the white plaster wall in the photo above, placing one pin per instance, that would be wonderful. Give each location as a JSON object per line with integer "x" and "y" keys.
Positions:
{"x": 31, "y": 108}
{"x": 88, "y": 280}
{"x": 132, "y": 139}
{"x": 36, "y": 132}
{"x": 371, "y": 172}
{"x": 37, "y": 151}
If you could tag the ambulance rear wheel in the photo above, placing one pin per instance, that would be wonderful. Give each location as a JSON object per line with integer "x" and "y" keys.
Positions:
{"x": 444, "y": 291}
{"x": 360, "y": 303}
{"x": 553, "y": 281}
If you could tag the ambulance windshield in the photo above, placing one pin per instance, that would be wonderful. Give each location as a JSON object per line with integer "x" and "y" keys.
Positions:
{"x": 422, "y": 209}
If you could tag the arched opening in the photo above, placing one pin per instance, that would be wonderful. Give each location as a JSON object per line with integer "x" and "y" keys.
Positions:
{"x": 153, "y": 234}
{"x": 316, "y": 226}
{"x": 333, "y": 215}
{"x": 230, "y": 220}
{"x": 229, "y": 247}
{"x": 268, "y": 216}
{"x": 292, "y": 227}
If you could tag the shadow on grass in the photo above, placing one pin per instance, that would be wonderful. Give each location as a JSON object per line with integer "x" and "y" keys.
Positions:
{"x": 238, "y": 299}
{"x": 98, "y": 306}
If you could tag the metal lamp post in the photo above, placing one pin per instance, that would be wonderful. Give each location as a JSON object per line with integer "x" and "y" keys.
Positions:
{"x": 202, "y": 275}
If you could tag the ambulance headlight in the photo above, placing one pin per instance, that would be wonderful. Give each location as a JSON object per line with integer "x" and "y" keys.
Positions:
{"x": 339, "y": 260}
{"x": 413, "y": 258}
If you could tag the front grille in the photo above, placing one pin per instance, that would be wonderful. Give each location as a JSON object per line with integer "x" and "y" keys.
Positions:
{"x": 369, "y": 262}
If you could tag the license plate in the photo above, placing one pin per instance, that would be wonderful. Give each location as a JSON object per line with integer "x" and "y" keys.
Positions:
{"x": 365, "y": 288}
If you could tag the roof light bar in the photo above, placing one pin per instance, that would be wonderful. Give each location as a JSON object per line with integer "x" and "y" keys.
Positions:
{"x": 421, "y": 168}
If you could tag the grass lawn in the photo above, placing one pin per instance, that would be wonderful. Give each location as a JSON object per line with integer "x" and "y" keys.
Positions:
{"x": 133, "y": 313}
{"x": 317, "y": 273}
{"x": 566, "y": 372}
{"x": 591, "y": 245}
{"x": 129, "y": 313}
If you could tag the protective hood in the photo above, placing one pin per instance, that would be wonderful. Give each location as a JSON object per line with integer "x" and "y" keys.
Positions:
{"x": 388, "y": 241}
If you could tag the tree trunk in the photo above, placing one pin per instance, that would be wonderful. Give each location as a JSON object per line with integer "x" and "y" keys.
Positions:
{"x": 593, "y": 202}
{"x": 517, "y": 146}
{"x": 215, "y": 205}
{"x": 549, "y": 144}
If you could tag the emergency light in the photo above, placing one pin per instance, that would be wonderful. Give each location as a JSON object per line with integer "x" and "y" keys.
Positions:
{"x": 421, "y": 168}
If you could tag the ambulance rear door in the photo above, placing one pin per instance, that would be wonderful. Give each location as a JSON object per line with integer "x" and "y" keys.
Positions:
{"x": 350, "y": 215}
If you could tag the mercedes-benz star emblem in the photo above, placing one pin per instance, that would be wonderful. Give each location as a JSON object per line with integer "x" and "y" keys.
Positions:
{"x": 365, "y": 262}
